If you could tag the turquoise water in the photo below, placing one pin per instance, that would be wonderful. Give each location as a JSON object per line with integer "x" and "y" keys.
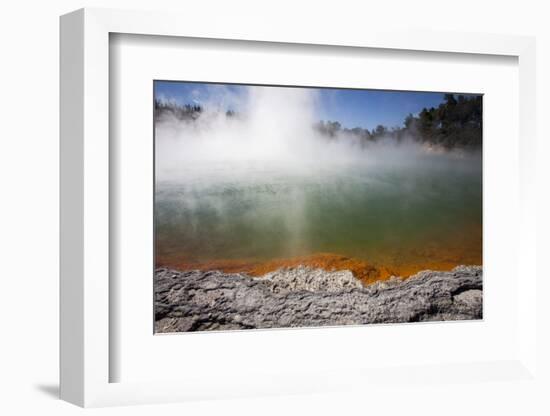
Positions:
{"x": 425, "y": 210}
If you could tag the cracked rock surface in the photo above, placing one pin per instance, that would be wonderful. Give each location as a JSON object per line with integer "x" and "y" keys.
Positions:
{"x": 304, "y": 297}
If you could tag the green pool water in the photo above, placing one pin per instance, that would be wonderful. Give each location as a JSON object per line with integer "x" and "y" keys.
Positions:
{"x": 428, "y": 210}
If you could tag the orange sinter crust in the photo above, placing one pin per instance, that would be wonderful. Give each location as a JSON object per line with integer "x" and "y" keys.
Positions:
{"x": 366, "y": 272}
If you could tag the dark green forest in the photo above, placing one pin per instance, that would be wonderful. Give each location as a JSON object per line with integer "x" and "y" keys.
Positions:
{"x": 456, "y": 123}
{"x": 180, "y": 112}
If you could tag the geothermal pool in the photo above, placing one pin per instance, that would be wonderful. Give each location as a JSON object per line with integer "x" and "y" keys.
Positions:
{"x": 405, "y": 214}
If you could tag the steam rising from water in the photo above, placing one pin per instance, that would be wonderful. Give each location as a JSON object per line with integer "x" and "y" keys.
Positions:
{"x": 275, "y": 128}
{"x": 265, "y": 183}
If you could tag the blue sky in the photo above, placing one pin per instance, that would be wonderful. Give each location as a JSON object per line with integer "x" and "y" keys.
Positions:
{"x": 352, "y": 108}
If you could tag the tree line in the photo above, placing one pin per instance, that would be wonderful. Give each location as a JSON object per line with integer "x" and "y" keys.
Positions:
{"x": 181, "y": 112}
{"x": 456, "y": 123}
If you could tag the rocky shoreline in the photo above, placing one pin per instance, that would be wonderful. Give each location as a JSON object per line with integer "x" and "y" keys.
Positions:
{"x": 307, "y": 297}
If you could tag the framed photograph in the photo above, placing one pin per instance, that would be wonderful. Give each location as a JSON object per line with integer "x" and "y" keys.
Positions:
{"x": 295, "y": 202}
{"x": 289, "y": 207}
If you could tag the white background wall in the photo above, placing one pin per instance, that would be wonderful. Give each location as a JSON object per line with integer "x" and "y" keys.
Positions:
{"x": 29, "y": 205}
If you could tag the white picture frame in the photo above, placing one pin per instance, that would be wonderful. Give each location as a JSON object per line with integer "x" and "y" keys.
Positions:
{"x": 85, "y": 353}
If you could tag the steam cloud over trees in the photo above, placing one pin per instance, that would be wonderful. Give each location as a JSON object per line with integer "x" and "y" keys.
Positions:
{"x": 455, "y": 124}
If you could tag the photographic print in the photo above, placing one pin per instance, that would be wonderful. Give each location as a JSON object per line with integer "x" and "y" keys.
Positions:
{"x": 295, "y": 207}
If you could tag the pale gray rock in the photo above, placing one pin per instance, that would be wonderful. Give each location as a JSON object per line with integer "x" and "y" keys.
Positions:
{"x": 312, "y": 280}
{"x": 305, "y": 297}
